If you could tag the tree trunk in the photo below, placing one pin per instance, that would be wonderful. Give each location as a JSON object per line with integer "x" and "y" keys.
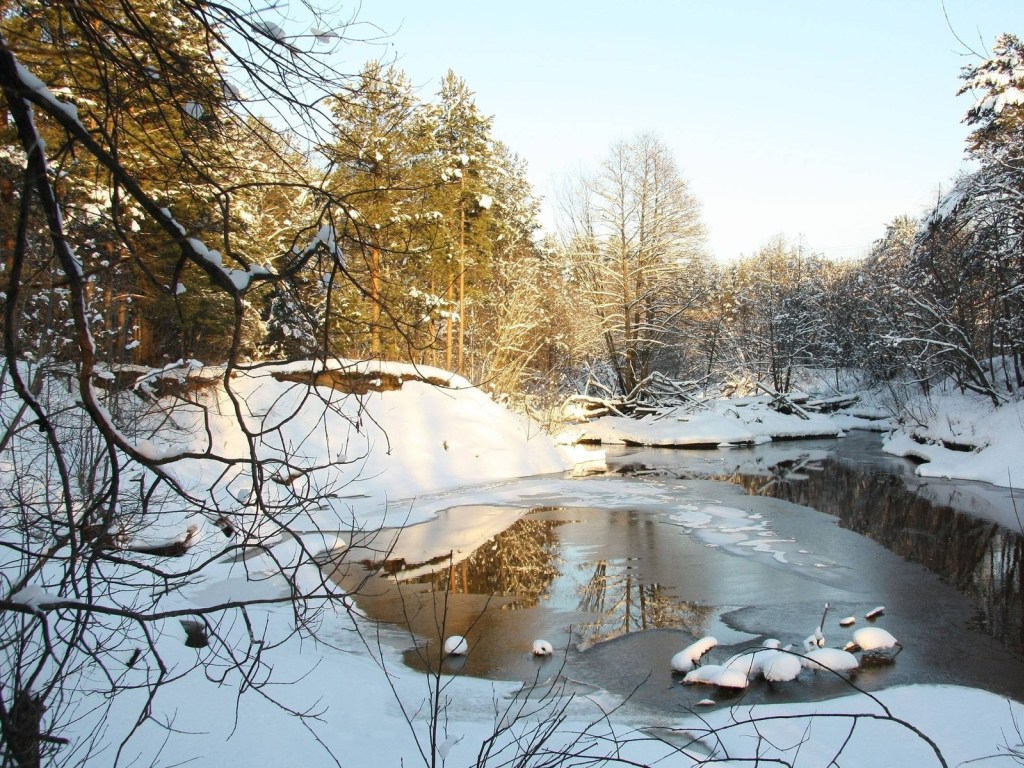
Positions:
{"x": 462, "y": 271}
{"x": 375, "y": 303}
{"x": 448, "y": 331}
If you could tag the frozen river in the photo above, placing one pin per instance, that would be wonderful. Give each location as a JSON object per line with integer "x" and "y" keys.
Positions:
{"x": 620, "y": 571}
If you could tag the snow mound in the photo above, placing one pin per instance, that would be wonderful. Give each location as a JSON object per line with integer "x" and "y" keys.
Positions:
{"x": 355, "y": 435}
{"x": 963, "y": 437}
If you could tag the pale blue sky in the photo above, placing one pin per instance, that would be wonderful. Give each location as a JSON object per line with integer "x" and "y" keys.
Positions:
{"x": 812, "y": 118}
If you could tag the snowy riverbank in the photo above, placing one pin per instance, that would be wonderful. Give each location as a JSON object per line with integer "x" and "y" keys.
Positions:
{"x": 961, "y": 436}
{"x": 420, "y": 441}
{"x": 723, "y": 423}
{"x": 955, "y": 435}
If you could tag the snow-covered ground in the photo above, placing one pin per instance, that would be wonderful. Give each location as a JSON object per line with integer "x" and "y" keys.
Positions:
{"x": 419, "y": 449}
{"x": 726, "y": 422}
{"x": 961, "y": 436}
{"x": 956, "y": 435}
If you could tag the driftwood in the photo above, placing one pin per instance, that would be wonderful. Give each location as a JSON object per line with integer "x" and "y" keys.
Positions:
{"x": 658, "y": 394}
{"x": 783, "y": 403}
{"x": 586, "y": 407}
{"x": 658, "y": 391}
{"x": 355, "y": 381}
{"x": 831, "y": 404}
{"x": 654, "y": 394}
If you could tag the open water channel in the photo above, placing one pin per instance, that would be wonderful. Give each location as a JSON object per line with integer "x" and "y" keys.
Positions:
{"x": 618, "y": 590}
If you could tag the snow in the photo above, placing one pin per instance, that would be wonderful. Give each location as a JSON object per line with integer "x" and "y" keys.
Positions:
{"x": 739, "y": 421}
{"x": 780, "y": 666}
{"x": 719, "y": 675}
{"x": 873, "y": 639}
{"x": 240, "y": 278}
{"x": 456, "y": 645}
{"x": 34, "y": 596}
{"x": 327, "y": 237}
{"x": 542, "y": 648}
{"x": 993, "y": 439}
{"x": 954, "y": 719}
{"x": 412, "y": 453}
{"x": 699, "y": 429}
{"x": 686, "y": 659}
{"x": 323, "y": 37}
{"x": 271, "y": 30}
{"x": 440, "y": 433}
{"x": 833, "y": 659}
{"x": 956, "y": 435}
{"x": 36, "y": 85}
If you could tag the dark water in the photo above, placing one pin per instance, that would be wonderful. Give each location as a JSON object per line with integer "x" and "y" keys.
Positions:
{"x": 619, "y": 591}
{"x": 948, "y": 527}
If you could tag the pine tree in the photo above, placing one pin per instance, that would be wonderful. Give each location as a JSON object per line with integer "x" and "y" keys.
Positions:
{"x": 466, "y": 155}
{"x": 382, "y": 160}
{"x": 143, "y": 82}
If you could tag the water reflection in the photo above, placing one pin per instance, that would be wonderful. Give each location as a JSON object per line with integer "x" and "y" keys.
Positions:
{"x": 558, "y": 565}
{"x": 882, "y": 500}
{"x": 621, "y": 602}
{"x": 520, "y": 562}
{"x": 621, "y": 585}
{"x": 980, "y": 558}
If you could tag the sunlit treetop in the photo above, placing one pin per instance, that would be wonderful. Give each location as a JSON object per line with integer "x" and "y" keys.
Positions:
{"x": 998, "y": 82}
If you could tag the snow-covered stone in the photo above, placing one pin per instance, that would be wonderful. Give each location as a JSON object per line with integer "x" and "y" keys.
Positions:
{"x": 686, "y": 659}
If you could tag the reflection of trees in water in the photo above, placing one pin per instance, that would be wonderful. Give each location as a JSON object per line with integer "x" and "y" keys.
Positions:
{"x": 619, "y": 597}
{"x": 980, "y": 558}
{"x": 521, "y": 561}
{"x": 622, "y": 603}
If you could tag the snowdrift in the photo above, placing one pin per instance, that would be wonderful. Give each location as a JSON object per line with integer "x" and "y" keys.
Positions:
{"x": 962, "y": 436}
{"x": 354, "y": 437}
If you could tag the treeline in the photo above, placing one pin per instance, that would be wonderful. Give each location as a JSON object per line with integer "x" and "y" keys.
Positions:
{"x": 354, "y": 217}
{"x": 937, "y": 298}
{"x": 351, "y": 215}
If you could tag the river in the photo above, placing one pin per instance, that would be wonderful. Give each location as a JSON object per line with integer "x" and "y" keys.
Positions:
{"x": 619, "y": 589}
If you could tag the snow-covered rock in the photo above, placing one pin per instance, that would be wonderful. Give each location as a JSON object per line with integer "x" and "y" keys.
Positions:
{"x": 686, "y": 659}
{"x": 780, "y": 667}
{"x": 716, "y": 674}
{"x": 870, "y": 639}
{"x": 456, "y": 645}
{"x": 833, "y": 659}
{"x": 542, "y": 648}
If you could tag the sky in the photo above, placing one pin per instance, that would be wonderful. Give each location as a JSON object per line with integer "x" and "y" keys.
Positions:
{"x": 820, "y": 121}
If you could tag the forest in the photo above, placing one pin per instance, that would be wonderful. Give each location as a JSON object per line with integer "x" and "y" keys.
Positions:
{"x": 186, "y": 186}
{"x": 379, "y": 222}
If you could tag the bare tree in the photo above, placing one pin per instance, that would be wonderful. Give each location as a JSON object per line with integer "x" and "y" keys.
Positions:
{"x": 633, "y": 236}
{"x": 777, "y": 323}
